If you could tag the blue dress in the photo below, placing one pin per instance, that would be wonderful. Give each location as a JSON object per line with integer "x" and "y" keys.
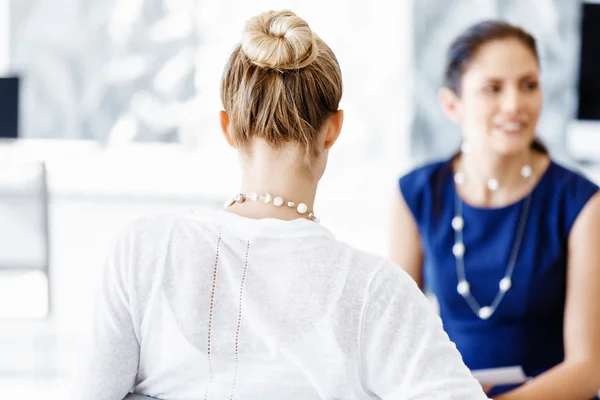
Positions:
{"x": 527, "y": 327}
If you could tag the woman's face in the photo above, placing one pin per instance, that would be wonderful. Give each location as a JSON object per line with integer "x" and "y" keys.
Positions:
{"x": 501, "y": 99}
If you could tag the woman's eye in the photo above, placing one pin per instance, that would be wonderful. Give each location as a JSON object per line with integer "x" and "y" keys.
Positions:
{"x": 492, "y": 89}
{"x": 531, "y": 86}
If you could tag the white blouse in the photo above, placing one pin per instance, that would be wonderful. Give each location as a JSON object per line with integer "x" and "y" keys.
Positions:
{"x": 222, "y": 307}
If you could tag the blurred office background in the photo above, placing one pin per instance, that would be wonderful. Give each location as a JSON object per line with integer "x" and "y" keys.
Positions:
{"x": 108, "y": 112}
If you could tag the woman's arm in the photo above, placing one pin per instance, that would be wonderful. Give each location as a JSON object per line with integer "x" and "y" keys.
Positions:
{"x": 405, "y": 352}
{"x": 110, "y": 361}
{"x": 578, "y": 376}
{"x": 405, "y": 243}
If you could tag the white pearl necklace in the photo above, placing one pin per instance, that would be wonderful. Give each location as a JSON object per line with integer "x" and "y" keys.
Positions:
{"x": 458, "y": 249}
{"x": 464, "y": 288}
{"x": 492, "y": 183}
{"x": 277, "y": 201}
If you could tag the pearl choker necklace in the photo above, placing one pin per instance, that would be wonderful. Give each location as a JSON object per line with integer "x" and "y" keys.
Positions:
{"x": 278, "y": 201}
{"x": 492, "y": 183}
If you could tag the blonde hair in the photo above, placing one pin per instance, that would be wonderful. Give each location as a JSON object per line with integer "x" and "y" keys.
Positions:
{"x": 281, "y": 83}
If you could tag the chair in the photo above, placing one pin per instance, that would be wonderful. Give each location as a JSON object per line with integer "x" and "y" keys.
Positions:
{"x": 134, "y": 396}
{"x": 24, "y": 241}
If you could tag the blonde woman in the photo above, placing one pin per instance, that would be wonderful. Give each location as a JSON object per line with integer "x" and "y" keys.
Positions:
{"x": 260, "y": 301}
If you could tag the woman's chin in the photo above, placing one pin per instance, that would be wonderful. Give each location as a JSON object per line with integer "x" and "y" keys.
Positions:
{"x": 513, "y": 145}
{"x": 512, "y": 149}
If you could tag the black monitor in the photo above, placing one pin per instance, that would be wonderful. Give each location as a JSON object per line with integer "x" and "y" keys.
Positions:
{"x": 9, "y": 107}
{"x": 589, "y": 67}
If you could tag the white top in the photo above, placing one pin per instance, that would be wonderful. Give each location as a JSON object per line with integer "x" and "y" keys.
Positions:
{"x": 223, "y": 307}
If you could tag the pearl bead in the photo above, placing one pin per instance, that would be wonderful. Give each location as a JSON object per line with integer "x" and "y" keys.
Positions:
{"x": 229, "y": 203}
{"x": 459, "y": 178}
{"x": 291, "y": 204}
{"x": 266, "y": 198}
{"x": 252, "y": 196}
{"x": 493, "y": 184}
{"x": 458, "y": 250}
{"x": 485, "y": 312}
{"x": 240, "y": 198}
{"x": 526, "y": 171}
{"x": 464, "y": 147}
{"x": 463, "y": 288}
{"x": 278, "y": 201}
{"x": 505, "y": 284}
{"x": 458, "y": 223}
{"x": 302, "y": 208}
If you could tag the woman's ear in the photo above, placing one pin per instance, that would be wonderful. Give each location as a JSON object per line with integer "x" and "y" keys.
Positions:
{"x": 333, "y": 128}
{"x": 451, "y": 105}
{"x": 226, "y": 129}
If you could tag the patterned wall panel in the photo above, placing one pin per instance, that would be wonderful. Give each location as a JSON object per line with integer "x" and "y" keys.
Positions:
{"x": 120, "y": 70}
{"x": 106, "y": 70}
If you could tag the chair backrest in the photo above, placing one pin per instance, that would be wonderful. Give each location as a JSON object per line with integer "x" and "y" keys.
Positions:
{"x": 134, "y": 396}
{"x": 24, "y": 226}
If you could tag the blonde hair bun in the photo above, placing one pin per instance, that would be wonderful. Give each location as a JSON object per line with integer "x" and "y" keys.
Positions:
{"x": 279, "y": 40}
{"x": 280, "y": 84}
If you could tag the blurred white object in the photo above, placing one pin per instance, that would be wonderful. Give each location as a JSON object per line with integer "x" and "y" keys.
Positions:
{"x": 4, "y": 36}
{"x": 500, "y": 376}
{"x": 583, "y": 140}
{"x": 24, "y": 295}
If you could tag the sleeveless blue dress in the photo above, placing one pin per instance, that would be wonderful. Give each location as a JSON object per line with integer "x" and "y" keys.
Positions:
{"x": 527, "y": 327}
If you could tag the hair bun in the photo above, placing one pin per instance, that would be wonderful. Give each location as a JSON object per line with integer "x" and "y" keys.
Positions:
{"x": 279, "y": 40}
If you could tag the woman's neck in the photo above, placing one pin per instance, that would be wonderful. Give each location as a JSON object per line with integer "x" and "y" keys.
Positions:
{"x": 280, "y": 175}
{"x": 481, "y": 168}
